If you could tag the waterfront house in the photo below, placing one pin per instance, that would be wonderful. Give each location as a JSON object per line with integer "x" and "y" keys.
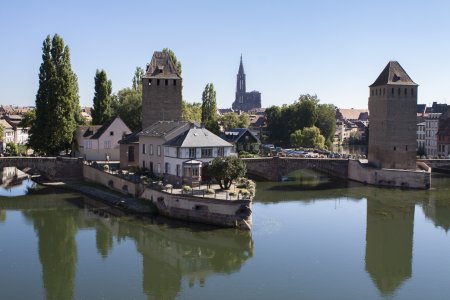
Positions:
{"x": 8, "y": 133}
{"x": 129, "y": 151}
{"x": 187, "y": 154}
{"x": 242, "y": 139}
{"x": 101, "y": 142}
{"x": 151, "y": 140}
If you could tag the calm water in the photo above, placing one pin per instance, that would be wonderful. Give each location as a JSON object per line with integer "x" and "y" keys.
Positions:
{"x": 312, "y": 239}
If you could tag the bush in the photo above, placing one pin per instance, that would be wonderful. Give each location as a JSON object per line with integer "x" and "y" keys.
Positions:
{"x": 244, "y": 192}
{"x": 186, "y": 188}
{"x": 245, "y": 154}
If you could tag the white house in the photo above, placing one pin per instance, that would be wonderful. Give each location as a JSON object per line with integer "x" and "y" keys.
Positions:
{"x": 186, "y": 154}
{"x": 101, "y": 142}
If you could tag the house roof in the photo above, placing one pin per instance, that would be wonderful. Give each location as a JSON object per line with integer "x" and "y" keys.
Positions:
{"x": 235, "y": 134}
{"x": 5, "y": 124}
{"x": 197, "y": 137}
{"x": 393, "y": 73}
{"x": 161, "y": 66}
{"x": 421, "y": 108}
{"x": 350, "y": 113}
{"x": 131, "y": 138}
{"x": 88, "y": 130}
{"x": 162, "y": 128}
{"x": 103, "y": 128}
{"x": 437, "y": 108}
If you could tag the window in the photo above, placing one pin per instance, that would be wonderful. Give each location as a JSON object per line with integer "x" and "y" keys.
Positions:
{"x": 144, "y": 149}
{"x": 395, "y": 148}
{"x": 178, "y": 170}
{"x": 174, "y": 82}
{"x": 192, "y": 152}
{"x": 107, "y": 144}
{"x": 149, "y": 82}
{"x": 167, "y": 168}
{"x": 157, "y": 81}
{"x": 406, "y": 91}
{"x": 143, "y": 164}
{"x": 166, "y": 82}
{"x": 158, "y": 168}
{"x": 151, "y": 149}
{"x": 111, "y": 133}
{"x": 220, "y": 151}
{"x": 158, "y": 150}
{"x": 88, "y": 144}
{"x": 206, "y": 152}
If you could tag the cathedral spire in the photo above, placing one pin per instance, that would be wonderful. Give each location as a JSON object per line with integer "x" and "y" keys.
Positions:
{"x": 241, "y": 67}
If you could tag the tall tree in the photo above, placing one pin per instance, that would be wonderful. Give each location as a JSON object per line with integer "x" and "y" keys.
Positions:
{"x": 174, "y": 59}
{"x": 101, "y": 112}
{"x": 137, "y": 79}
{"x": 57, "y": 101}
{"x": 326, "y": 122}
{"x": 306, "y": 111}
{"x": 209, "y": 109}
{"x": 191, "y": 111}
{"x": 127, "y": 104}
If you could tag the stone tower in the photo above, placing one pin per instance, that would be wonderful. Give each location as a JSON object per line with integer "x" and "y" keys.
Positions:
{"x": 392, "y": 127}
{"x": 245, "y": 101}
{"x": 161, "y": 91}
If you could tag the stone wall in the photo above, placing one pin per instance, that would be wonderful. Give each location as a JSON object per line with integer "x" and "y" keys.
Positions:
{"x": 114, "y": 182}
{"x": 362, "y": 172}
{"x": 54, "y": 168}
{"x": 228, "y": 213}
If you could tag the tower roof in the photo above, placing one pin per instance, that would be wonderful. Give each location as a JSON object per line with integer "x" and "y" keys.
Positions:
{"x": 241, "y": 67}
{"x": 161, "y": 66}
{"x": 393, "y": 73}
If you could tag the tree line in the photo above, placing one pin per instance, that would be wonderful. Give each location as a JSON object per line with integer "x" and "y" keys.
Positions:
{"x": 305, "y": 123}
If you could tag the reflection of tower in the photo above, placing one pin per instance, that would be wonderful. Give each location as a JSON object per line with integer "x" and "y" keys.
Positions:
{"x": 56, "y": 230}
{"x": 438, "y": 210}
{"x": 389, "y": 241}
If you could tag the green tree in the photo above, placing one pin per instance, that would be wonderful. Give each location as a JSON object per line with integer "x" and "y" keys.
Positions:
{"x": 101, "y": 112}
{"x": 191, "y": 111}
{"x": 174, "y": 59}
{"x": 137, "y": 79}
{"x": 57, "y": 102}
{"x": 326, "y": 121}
{"x": 233, "y": 120}
{"x": 226, "y": 169}
{"x": 306, "y": 111}
{"x": 209, "y": 109}
{"x": 297, "y": 138}
{"x": 28, "y": 119}
{"x": 274, "y": 123}
{"x": 127, "y": 104}
{"x": 311, "y": 138}
{"x": 11, "y": 149}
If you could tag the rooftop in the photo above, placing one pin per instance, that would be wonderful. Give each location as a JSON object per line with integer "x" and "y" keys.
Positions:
{"x": 161, "y": 66}
{"x": 197, "y": 137}
{"x": 161, "y": 128}
{"x": 393, "y": 73}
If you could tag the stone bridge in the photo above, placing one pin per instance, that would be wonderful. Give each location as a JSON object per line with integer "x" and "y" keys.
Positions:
{"x": 273, "y": 168}
{"x": 53, "y": 168}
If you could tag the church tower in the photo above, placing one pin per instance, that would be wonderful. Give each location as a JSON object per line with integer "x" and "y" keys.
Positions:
{"x": 161, "y": 91}
{"x": 245, "y": 101}
{"x": 392, "y": 113}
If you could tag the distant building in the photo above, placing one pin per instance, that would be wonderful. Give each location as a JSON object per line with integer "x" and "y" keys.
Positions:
{"x": 242, "y": 139}
{"x": 350, "y": 123}
{"x": 245, "y": 101}
{"x": 443, "y": 135}
{"x": 431, "y": 129}
{"x": 101, "y": 142}
{"x": 421, "y": 135}
{"x": 161, "y": 91}
{"x": 393, "y": 116}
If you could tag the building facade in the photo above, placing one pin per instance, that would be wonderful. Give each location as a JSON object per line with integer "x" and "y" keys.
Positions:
{"x": 161, "y": 91}
{"x": 431, "y": 129}
{"x": 245, "y": 101}
{"x": 393, "y": 126}
{"x": 421, "y": 136}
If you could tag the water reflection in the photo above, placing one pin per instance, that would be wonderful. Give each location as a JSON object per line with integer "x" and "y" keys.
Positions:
{"x": 14, "y": 182}
{"x": 389, "y": 242}
{"x": 170, "y": 253}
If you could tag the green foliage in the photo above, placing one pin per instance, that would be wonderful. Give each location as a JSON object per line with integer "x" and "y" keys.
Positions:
{"x": 57, "y": 102}
{"x": 13, "y": 149}
{"x": 2, "y": 132}
{"x": 306, "y": 112}
{"x": 311, "y": 138}
{"x": 191, "y": 111}
{"x": 233, "y": 120}
{"x": 28, "y": 119}
{"x": 296, "y": 138}
{"x": 186, "y": 188}
{"x": 137, "y": 79}
{"x": 245, "y": 154}
{"x": 127, "y": 104}
{"x": 226, "y": 169}
{"x": 101, "y": 111}
{"x": 174, "y": 59}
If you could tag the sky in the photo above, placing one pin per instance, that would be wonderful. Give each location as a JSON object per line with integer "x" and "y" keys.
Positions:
{"x": 334, "y": 49}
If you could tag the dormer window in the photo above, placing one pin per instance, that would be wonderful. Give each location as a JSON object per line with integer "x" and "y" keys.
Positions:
{"x": 111, "y": 133}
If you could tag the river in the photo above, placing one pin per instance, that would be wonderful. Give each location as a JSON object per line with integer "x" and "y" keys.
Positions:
{"x": 313, "y": 238}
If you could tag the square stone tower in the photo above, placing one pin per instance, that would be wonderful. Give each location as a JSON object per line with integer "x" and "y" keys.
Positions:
{"x": 161, "y": 91}
{"x": 392, "y": 126}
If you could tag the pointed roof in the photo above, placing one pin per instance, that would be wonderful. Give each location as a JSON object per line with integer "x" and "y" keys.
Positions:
{"x": 241, "y": 67}
{"x": 161, "y": 66}
{"x": 393, "y": 73}
{"x": 197, "y": 137}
